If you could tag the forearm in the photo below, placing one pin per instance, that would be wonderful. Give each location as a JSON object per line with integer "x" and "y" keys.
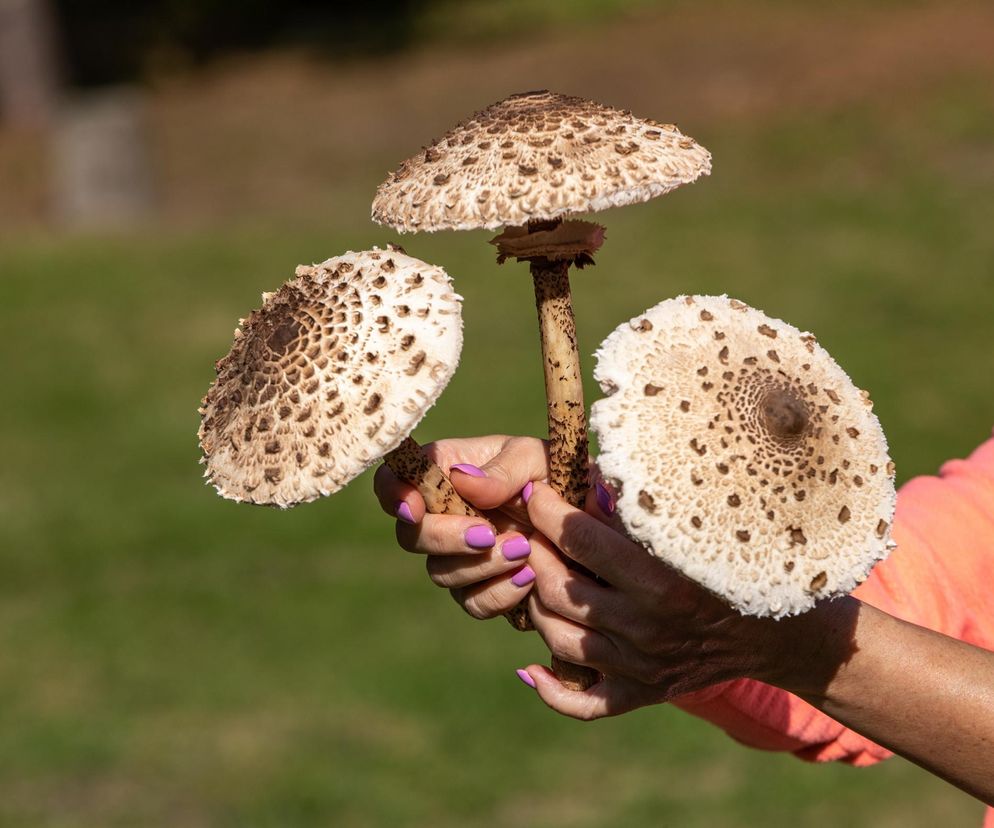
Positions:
{"x": 923, "y": 695}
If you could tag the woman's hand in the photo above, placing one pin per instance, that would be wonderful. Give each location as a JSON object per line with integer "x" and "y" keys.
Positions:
{"x": 652, "y": 633}
{"x": 483, "y": 563}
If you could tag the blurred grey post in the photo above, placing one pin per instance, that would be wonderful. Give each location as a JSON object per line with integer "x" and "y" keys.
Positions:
{"x": 102, "y": 170}
{"x": 29, "y": 66}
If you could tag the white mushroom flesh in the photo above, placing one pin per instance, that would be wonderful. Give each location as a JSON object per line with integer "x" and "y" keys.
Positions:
{"x": 743, "y": 454}
{"x": 333, "y": 371}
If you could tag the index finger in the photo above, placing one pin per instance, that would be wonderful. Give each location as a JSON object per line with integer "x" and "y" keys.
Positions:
{"x": 499, "y": 481}
{"x": 585, "y": 539}
{"x": 391, "y": 492}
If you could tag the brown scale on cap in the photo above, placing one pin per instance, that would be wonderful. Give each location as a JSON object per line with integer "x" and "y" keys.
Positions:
{"x": 537, "y": 155}
{"x": 318, "y": 385}
{"x": 788, "y": 508}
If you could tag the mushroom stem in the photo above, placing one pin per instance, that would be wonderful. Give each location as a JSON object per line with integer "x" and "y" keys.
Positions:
{"x": 568, "y": 459}
{"x": 410, "y": 464}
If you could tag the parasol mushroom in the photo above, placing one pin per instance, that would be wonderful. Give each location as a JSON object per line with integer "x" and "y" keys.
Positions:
{"x": 331, "y": 374}
{"x": 743, "y": 455}
{"x": 528, "y": 163}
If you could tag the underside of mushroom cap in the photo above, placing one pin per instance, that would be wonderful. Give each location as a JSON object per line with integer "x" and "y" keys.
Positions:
{"x": 334, "y": 370}
{"x": 743, "y": 454}
{"x": 536, "y": 156}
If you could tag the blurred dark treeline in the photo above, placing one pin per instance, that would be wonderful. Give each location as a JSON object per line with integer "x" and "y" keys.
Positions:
{"x": 108, "y": 41}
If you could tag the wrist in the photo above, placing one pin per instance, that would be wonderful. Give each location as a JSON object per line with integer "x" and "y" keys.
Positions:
{"x": 803, "y": 654}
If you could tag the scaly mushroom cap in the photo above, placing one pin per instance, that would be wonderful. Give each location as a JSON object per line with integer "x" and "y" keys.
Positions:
{"x": 744, "y": 455}
{"x": 537, "y": 155}
{"x": 334, "y": 370}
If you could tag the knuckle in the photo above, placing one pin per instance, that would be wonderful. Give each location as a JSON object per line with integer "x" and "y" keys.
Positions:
{"x": 436, "y": 572}
{"x": 406, "y": 536}
{"x": 434, "y": 450}
{"x": 528, "y": 444}
{"x": 577, "y": 536}
{"x": 497, "y": 469}
{"x": 466, "y": 603}
{"x": 597, "y": 619}
{"x": 516, "y": 444}
{"x": 564, "y": 646}
{"x": 553, "y": 593}
{"x": 481, "y": 606}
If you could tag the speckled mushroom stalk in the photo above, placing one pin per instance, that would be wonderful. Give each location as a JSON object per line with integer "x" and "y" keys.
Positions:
{"x": 563, "y": 384}
{"x": 410, "y": 464}
{"x": 527, "y": 163}
{"x": 330, "y": 375}
{"x": 551, "y": 247}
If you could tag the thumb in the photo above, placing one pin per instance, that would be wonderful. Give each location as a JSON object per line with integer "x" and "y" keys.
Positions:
{"x": 611, "y": 696}
{"x": 501, "y": 479}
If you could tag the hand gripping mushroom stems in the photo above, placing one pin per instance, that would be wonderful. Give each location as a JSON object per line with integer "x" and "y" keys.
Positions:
{"x": 409, "y": 463}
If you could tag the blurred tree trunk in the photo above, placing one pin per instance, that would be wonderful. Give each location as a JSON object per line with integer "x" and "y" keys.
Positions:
{"x": 102, "y": 173}
{"x": 29, "y": 64}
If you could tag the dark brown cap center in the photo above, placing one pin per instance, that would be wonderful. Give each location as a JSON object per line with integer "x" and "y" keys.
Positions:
{"x": 280, "y": 339}
{"x": 784, "y": 413}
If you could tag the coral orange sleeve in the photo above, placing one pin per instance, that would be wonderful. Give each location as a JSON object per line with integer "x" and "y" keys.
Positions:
{"x": 939, "y": 577}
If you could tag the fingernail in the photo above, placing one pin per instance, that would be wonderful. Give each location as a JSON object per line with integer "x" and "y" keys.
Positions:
{"x": 516, "y": 548}
{"x": 526, "y": 492}
{"x": 523, "y": 576}
{"x": 468, "y": 468}
{"x": 403, "y": 511}
{"x": 527, "y": 679}
{"x": 604, "y": 499}
{"x": 480, "y": 537}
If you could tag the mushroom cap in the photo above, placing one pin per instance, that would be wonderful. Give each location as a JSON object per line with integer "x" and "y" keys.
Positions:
{"x": 743, "y": 454}
{"x": 536, "y": 155}
{"x": 334, "y": 370}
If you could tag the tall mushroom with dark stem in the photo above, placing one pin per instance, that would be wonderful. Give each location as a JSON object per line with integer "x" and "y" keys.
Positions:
{"x": 528, "y": 163}
{"x": 330, "y": 375}
{"x": 742, "y": 454}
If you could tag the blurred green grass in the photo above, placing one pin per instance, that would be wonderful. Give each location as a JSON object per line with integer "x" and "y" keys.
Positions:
{"x": 170, "y": 658}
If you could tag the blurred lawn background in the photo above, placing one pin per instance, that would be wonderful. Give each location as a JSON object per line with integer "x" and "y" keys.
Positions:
{"x": 169, "y": 658}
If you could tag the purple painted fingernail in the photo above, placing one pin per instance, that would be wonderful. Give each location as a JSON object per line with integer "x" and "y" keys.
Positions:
{"x": 604, "y": 500}
{"x": 480, "y": 537}
{"x": 526, "y": 492}
{"x": 523, "y": 576}
{"x": 516, "y": 548}
{"x": 403, "y": 511}
{"x": 468, "y": 468}
{"x": 527, "y": 679}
